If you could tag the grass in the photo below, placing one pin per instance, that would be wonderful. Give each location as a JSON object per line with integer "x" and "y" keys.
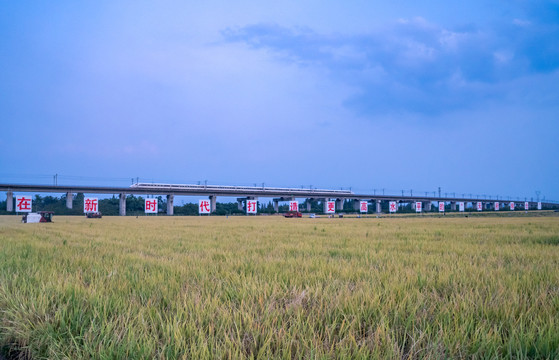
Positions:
{"x": 269, "y": 287}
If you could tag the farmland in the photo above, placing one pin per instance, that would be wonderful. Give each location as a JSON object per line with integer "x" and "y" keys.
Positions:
{"x": 269, "y": 287}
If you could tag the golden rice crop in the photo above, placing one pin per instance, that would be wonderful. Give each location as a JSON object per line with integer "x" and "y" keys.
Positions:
{"x": 269, "y": 287}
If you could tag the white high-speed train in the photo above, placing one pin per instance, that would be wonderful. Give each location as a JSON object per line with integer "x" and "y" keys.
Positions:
{"x": 239, "y": 189}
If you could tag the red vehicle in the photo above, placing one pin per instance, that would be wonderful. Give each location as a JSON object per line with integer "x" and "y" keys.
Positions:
{"x": 291, "y": 214}
{"x": 40, "y": 216}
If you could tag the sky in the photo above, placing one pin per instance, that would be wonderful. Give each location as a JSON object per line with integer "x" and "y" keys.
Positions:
{"x": 366, "y": 95}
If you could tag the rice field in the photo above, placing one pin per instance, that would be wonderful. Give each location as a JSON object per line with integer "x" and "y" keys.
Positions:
{"x": 270, "y": 287}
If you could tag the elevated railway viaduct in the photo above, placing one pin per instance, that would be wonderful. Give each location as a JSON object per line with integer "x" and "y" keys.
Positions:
{"x": 243, "y": 193}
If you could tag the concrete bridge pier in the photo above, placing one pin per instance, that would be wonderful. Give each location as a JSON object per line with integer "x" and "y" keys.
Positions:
{"x": 9, "y": 201}
{"x": 340, "y": 204}
{"x": 488, "y": 206}
{"x": 379, "y": 206}
{"x": 277, "y": 200}
{"x": 170, "y": 204}
{"x": 240, "y": 203}
{"x": 122, "y": 204}
{"x": 453, "y": 206}
{"x": 213, "y": 203}
{"x": 426, "y": 206}
{"x": 69, "y": 198}
{"x": 309, "y": 204}
{"x": 356, "y": 204}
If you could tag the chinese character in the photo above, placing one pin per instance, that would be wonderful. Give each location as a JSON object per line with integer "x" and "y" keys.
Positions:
{"x": 151, "y": 205}
{"x": 23, "y": 204}
{"x": 90, "y": 205}
{"x": 251, "y": 206}
{"x": 293, "y": 206}
{"x": 331, "y": 206}
{"x": 204, "y": 206}
{"x": 363, "y": 206}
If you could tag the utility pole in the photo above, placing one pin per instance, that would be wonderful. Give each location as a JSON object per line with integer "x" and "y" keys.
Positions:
{"x": 439, "y": 191}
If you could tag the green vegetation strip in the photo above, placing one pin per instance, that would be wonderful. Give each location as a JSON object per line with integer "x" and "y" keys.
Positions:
{"x": 269, "y": 287}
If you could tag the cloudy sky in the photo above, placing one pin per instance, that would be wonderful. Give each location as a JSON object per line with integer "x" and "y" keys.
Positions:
{"x": 362, "y": 94}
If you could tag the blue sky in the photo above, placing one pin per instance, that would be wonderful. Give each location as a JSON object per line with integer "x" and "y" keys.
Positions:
{"x": 361, "y": 94}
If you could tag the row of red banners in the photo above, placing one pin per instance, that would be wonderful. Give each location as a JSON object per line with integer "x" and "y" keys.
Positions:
{"x": 91, "y": 205}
